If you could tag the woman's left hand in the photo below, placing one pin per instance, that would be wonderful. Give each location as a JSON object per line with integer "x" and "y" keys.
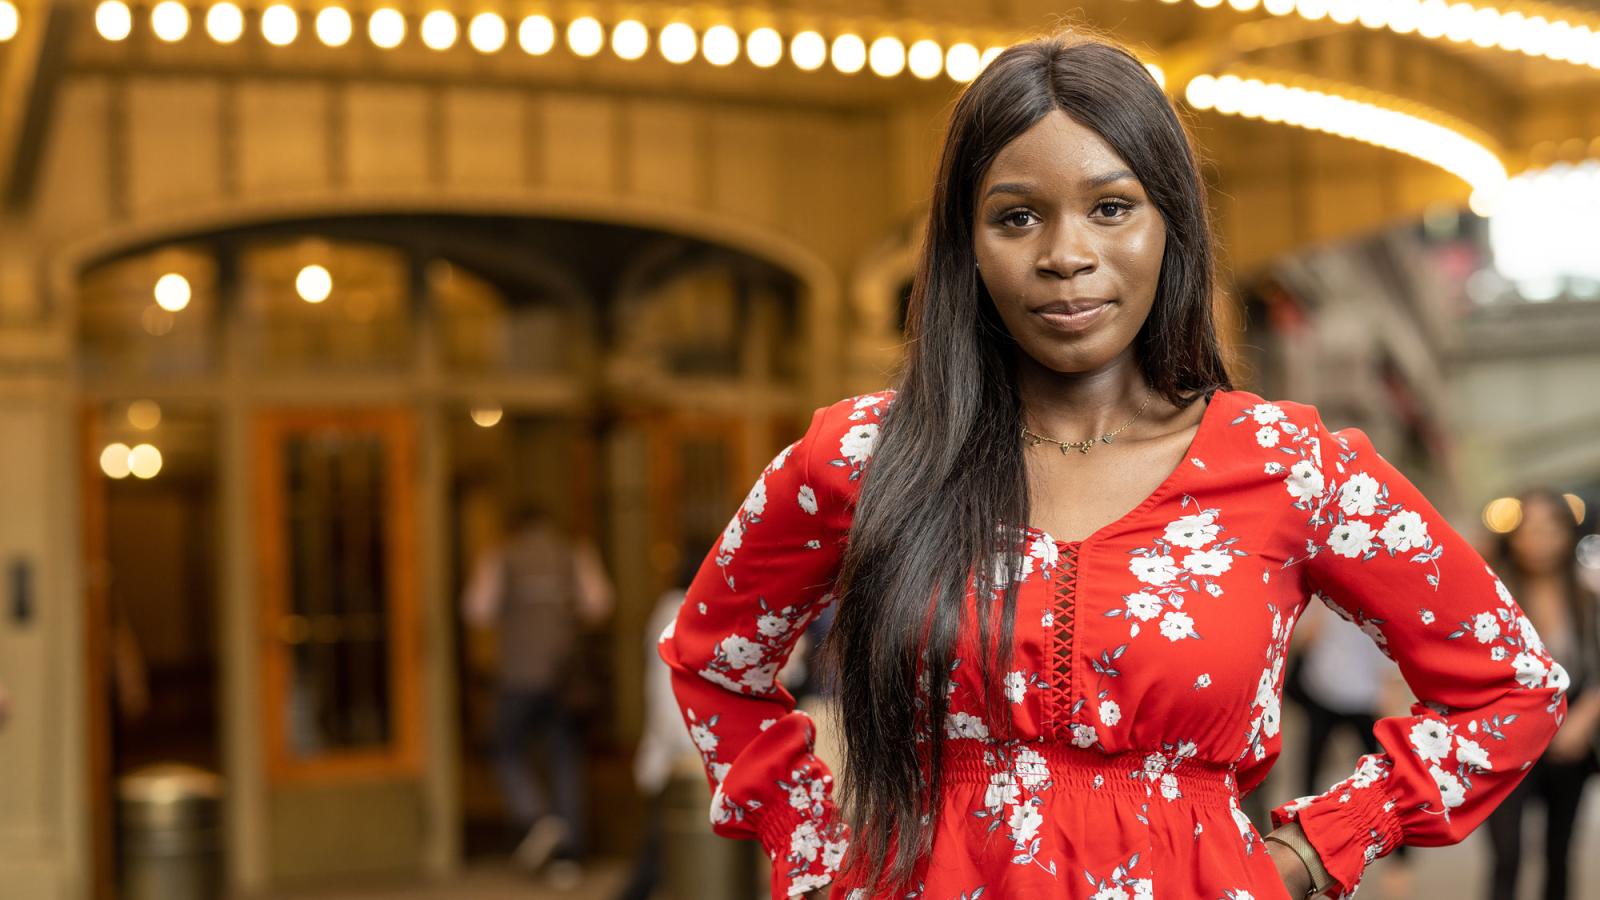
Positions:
{"x": 1293, "y": 872}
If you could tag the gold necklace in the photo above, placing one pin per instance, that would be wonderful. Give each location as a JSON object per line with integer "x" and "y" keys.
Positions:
{"x": 1035, "y": 439}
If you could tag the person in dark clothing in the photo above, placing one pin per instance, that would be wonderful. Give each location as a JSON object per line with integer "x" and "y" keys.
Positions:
{"x": 538, "y": 590}
{"x": 1537, "y": 562}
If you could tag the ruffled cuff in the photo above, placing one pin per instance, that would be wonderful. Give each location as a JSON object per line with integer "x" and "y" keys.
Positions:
{"x": 1349, "y": 826}
{"x": 805, "y": 849}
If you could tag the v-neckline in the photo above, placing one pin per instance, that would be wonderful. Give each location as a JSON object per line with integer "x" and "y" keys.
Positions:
{"x": 1155, "y": 496}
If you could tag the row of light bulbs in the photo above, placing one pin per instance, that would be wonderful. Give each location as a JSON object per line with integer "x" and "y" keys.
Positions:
{"x": 1460, "y": 22}
{"x": 313, "y": 283}
{"x": 1370, "y": 123}
{"x": 585, "y": 36}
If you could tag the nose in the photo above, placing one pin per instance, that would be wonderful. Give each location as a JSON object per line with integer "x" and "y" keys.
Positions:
{"x": 1066, "y": 252}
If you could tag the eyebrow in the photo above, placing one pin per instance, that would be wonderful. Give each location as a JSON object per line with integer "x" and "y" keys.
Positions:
{"x": 1019, "y": 187}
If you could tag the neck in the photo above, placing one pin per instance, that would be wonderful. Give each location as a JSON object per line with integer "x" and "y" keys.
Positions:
{"x": 1078, "y": 405}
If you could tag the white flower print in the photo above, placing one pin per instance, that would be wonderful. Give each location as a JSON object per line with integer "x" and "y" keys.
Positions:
{"x": 1359, "y": 496}
{"x": 965, "y": 725}
{"x": 1016, "y": 686}
{"x": 1194, "y": 531}
{"x": 1304, "y": 481}
{"x": 1267, "y": 413}
{"x": 1169, "y": 786}
{"x": 1110, "y": 712}
{"x": 1350, "y": 539}
{"x": 1047, "y": 618}
{"x": 1471, "y": 753}
{"x": 804, "y": 841}
{"x": 1155, "y": 570}
{"x": 1530, "y": 638}
{"x": 1208, "y": 562}
{"x": 1530, "y": 669}
{"x": 1031, "y": 769}
{"x": 1204, "y": 681}
{"x": 1485, "y": 628}
{"x": 740, "y": 651}
{"x": 703, "y": 737}
{"x": 1450, "y": 789}
{"x": 1024, "y": 822}
{"x": 856, "y": 445}
{"x": 1267, "y": 436}
{"x": 732, "y": 536}
{"x": 1426, "y": 616}
{"x": 759, "y": 679}
{"x": 1143, "y": 606}
{"x": 1177, "y": 625}
{"x": 755, "y": 502}
{"x": 1430, "y": 739}
{"x": 772, "y": 626}
{"x": 1045, "y": 551}
{"x": 1083, "y": 735}
{"x": 1002, "y": 791}
{"x": 1405, "y": 530}
{"x": 808, "y": 499}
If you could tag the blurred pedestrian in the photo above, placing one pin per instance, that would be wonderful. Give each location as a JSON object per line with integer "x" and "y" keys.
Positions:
{"x": 1537, "y": 561}
{"x": 538, "y": 589}
{"x": 664, "y": 741}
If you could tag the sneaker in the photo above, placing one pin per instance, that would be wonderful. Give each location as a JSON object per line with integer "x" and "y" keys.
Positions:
{"x": 563, "y": 874}
{"x": 541, "y": 841}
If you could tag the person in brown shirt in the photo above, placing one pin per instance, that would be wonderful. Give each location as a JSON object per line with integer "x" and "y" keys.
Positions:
{"x": 538, "y": 589}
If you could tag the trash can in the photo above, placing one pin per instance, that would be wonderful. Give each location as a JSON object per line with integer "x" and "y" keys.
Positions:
{"x": 169, "y": 831}
{"x": 698, "y": 863}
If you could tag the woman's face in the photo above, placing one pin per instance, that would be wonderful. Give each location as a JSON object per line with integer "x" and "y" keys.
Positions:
{"x": 1068, "y": 245}
{"x": 1541, "y": 541}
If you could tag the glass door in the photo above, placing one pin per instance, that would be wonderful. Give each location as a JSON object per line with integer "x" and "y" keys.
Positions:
{"x": 339, "y": 627}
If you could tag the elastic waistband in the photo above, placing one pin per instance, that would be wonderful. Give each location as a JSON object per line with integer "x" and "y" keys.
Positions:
{"x": 1135, "y": 773}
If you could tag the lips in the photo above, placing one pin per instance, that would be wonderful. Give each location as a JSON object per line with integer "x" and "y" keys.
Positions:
{"x": 1071, "y": 307}
{"x": 1073, "y": 317}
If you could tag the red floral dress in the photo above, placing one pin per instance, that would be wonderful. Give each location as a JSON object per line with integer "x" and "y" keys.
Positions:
{"x": 1146, "y": 676}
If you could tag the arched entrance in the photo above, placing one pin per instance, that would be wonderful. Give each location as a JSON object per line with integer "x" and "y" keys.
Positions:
{"x": 343, "y": 408}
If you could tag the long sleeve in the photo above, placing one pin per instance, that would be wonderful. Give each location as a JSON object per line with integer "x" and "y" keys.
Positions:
{"x": 767, "y": 577}
{"x": 1489, "y": 695}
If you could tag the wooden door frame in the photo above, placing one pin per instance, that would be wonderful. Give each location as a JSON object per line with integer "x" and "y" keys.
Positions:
{"x": 403, "y": 757}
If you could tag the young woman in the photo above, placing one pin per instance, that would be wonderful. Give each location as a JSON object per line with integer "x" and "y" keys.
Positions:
{"x": 1538, "y": 561}
{"x": 1066, "y": 581}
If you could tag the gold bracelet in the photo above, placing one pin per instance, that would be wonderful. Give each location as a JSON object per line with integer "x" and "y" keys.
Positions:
{"x": 1295, "y": 840}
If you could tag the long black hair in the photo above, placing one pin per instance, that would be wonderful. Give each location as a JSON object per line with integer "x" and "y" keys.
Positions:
{"x": 947, "y": 483}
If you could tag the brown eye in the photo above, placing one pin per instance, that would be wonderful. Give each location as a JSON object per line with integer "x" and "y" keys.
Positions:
{"x": 1010, "y": 218}
{"x": 1114, "y": 204}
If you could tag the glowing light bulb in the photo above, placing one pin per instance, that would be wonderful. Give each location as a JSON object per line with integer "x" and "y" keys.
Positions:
{"x": 172, "y": 292}
{"x": 169, "y": 19}
{"x": 809, "y": 50}
{"x": 314, "y": 284}
{"x": 386, "y": 28}
{"x": 439, "y": 30}
{"x": 280, "y": 25}
{"x": 764, "y": 47}
{"x": 225, "y": 22}
{"x": 113, "y": 20}
{"x": 486, "y": 32}
{"x": 585, "y": 36}
{"x": 334, "y": 26}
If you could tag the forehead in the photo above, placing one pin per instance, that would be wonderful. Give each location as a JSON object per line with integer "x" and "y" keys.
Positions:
{"x": 1055, "y": 152}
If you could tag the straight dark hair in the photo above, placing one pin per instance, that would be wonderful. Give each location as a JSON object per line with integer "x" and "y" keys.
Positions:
{"x": 947, "y": 491}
